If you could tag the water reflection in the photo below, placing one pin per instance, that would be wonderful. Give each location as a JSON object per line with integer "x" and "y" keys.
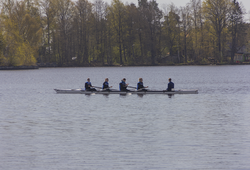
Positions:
{"x": 140, "y": 95}
{"x": 106, "y": 95}
{"x": 91, "y": 94}
{"x": 127, "y": 94}
{"x": 170, "y": 95}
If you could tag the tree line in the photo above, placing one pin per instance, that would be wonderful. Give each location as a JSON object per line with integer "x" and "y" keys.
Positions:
{"x": 81, "y": 33}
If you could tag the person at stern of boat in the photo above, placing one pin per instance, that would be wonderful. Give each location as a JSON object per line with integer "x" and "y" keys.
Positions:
{"x": 123, "y": 86}
{"x": 140, "y": 86}
{"x": 88, "y": 86}
{"x": 170, "y": 85}
{"x": 105, "y": 85}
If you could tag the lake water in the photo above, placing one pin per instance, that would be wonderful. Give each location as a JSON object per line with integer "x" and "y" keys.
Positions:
{"x": 40, "y": 129}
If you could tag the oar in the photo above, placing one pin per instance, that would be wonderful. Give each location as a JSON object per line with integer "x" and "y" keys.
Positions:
{"x": 142, "y": 88}
{"x": 114, "y": 89}
{"x": 107, "y": 88}
{"x": 97, "y": 87}
{"x": 131, "y": 87}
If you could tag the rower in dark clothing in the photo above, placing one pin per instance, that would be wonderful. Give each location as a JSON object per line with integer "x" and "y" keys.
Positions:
{"x": 105, "y": 85}
{"x": 140, "y": 86}
{"x": 123, "y": 86}
{"x": 88, "y": 86}
{"x": 170, "y": 85}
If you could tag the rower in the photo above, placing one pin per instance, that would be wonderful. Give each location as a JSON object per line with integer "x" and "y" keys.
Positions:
{"x": 105, "y": 85}
{"x": 123, "y": 86}
{"x": 140, "y": 86}
{"x": 170, "y": 85}
{"x": 88, "y": 86}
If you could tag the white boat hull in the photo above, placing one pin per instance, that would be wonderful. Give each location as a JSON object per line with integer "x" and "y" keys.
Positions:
{"x": 80, "y": 91}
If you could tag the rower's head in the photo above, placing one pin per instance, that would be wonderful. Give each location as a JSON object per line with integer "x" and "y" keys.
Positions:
{"x": 88, "y": 79}
{"x": 106, "y": 79}
{"x": 140, "y": 79}
{"x": 169, "y": 79}
{"x": 124, "y": 79}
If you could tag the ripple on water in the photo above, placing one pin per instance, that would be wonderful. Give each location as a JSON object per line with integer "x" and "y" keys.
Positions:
{"x": 43, "y": 130}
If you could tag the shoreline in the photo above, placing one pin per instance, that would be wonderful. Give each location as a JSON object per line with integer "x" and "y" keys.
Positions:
{"x": 49, "y": 66}
{"x": 18, "y": 67}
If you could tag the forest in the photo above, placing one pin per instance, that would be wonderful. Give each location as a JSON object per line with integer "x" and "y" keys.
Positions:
{"x": 81, "y": 33}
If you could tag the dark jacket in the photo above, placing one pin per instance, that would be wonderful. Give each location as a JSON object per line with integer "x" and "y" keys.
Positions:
{"x": 140, "y": 85}
{"x": 170, "y": 86}
{"x": 105, "y": 85}
{"x": 87, "y": 85}
{"x": 123, "y": 86}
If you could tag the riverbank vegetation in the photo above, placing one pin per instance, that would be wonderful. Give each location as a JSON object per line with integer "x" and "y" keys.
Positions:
{"x": 81, "y": 33}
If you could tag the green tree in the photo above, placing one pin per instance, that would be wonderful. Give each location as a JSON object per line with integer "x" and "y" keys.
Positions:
{"x": 63, "y": 30}
{"x": 197, "y": 31}
{"x": 117, "y": 24}
{"x": 216, "y": 13}
{"x": 84, "y": 24}
{"x": 171, "y": 30}
{"x": 99, "y": 30}
{"x": 185, "y": 28}
{"x": 48, "y": 13}
{"x": 21, "y": 32}
{"x": 236, "y": 28}
{"x": 2, "y": 46}
{"x": 151, "y": 17}
{"x": 131, "y": 36}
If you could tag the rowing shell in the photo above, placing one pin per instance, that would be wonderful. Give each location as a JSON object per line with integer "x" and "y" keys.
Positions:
{"x": 80, "y": 91}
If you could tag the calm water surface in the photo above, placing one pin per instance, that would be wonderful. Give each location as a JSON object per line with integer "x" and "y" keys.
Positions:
{"x": 40, "y": 129}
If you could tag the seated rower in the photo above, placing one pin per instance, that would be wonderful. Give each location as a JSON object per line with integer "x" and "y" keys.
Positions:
{"x": 123, "y": 86}
{"x": 140, "y": 86}
{"x": 88, "y": 86}
{"x": 105, "y": 85}
{"x": 170, "y": 85}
